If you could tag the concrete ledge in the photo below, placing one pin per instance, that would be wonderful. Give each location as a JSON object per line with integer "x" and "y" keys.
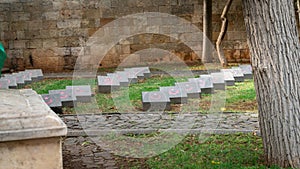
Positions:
{"x": 24, "y": 115}
{"x": 30, "y": 133}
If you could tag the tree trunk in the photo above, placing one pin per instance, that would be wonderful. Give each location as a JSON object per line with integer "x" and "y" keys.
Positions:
{"x": 275, "y": 50}
{"x": 298, "y": 11}
{"x": 223, "y": 31}
{"x": 207, "y": 31}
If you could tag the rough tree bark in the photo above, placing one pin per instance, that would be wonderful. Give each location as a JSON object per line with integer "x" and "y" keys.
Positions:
{"x": 223, "y": 31}
{"x": 275, "y": 50}
{"x": 207, "y": 31}
{"x": 298, "y": 11}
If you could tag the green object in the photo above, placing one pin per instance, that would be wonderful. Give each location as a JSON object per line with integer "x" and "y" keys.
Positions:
{"x": 2, "y": 56}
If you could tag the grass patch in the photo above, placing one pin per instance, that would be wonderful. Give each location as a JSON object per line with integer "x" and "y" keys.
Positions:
{"x": 241, "y": 92}
{"x": 217, "y": 151}
{"x": 238, "y": 151}
{"x": 42, "y": 87}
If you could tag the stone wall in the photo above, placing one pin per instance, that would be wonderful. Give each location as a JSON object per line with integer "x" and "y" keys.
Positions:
{"x": 49, "y": 34}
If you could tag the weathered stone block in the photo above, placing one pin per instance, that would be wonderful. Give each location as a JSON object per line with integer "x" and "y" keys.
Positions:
{"x": 33, "y": 34}
{"x": 48, "y": 60}
{"x": 181, "y": 10}
{"x": 191, "y": 88}
{"x": 247, "y": 71}
{"x": 228, "y": 77}
{"x": 18, "y": 44}
{"x": 34, "y": 44}
{"x": 49, "y": 24}
{"x": 11, "y": 81}
{"x": 121, "y": 77}
{"x": 30, "y": 135}
{"x": 108, "y": 84}
{"x": 50, "y": 43}
{"x": 155, "y": 101}
{"x": 66, "y": 96}
{"x": 218, "y": 81}
{"x": 83, "y": 93}
{"x": 35, "y": 25}
{"x": 19, "y": 80}
{"x": 132, "y": 78}
{"x": 4, "y": 25}
{"x": 51, "y": 15}
{"x": 237, "y": 73}
{"x": 205, "y": 83}
{"x": 4, "y": 84}
{"x": 20, "y": 16}
{"x": 53, "y": 101}
{"x": 164, "y": 9}
{"x": 72, "y": 23}
{"x": 35, "y": 74}
{"x": 176, "y": 95}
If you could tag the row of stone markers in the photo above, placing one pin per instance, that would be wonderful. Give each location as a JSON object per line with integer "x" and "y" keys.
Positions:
{"x": 206, "y": 84}
{"x": 113, "y": 81}
{"x": 56, "y": 99}
{"x": 20, "y": 79}
{"x": 68, "y": 97}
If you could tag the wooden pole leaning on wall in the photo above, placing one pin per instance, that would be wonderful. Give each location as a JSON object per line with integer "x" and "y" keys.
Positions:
{"x": 222, "y": 34}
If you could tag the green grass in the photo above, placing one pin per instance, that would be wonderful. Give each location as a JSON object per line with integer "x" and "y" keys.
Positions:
{"x": 241, "y": 92}
{"x": 217, "y": 151}
{"x": 44, "y": 86}
{"x": 239, "y": 98}
{"x": 234, "y": 151}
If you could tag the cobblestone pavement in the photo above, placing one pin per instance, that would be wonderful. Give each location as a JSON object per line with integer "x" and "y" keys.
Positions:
{"x": 79, "y": 151}
{"x": 145, "y": 122}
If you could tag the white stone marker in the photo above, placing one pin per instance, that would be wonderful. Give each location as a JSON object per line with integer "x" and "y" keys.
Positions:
{"x": 205, "y": 83}
{"x": 176, "y": 95}
{"x": 30, "y": 132}
{"x": 218, "y": 80}
{"x": 83, "y": 93}
{"x": 247, "y": 71}
{"x": 155, "y": 101}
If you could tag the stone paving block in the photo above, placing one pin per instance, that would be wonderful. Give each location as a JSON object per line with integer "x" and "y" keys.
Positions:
{"x": 176, "y": 95}
{"x": 83, "y": 93}
{"x": 53, "y": 101}
{"x": 12, "y": 81}
{"x": 107, "y": 84}
{"x": 218, "y": 80}
{"x": 191, "y": 88}
{"x": 247, "y": 71}
{"x": 121, "y": 77}
{"x": 66, "y": 96}
{"x": 155, "y": 101}
{"x": 205, "y": 83}
{"x": 4, "y": 83}
{"x": 228, "y": 77}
